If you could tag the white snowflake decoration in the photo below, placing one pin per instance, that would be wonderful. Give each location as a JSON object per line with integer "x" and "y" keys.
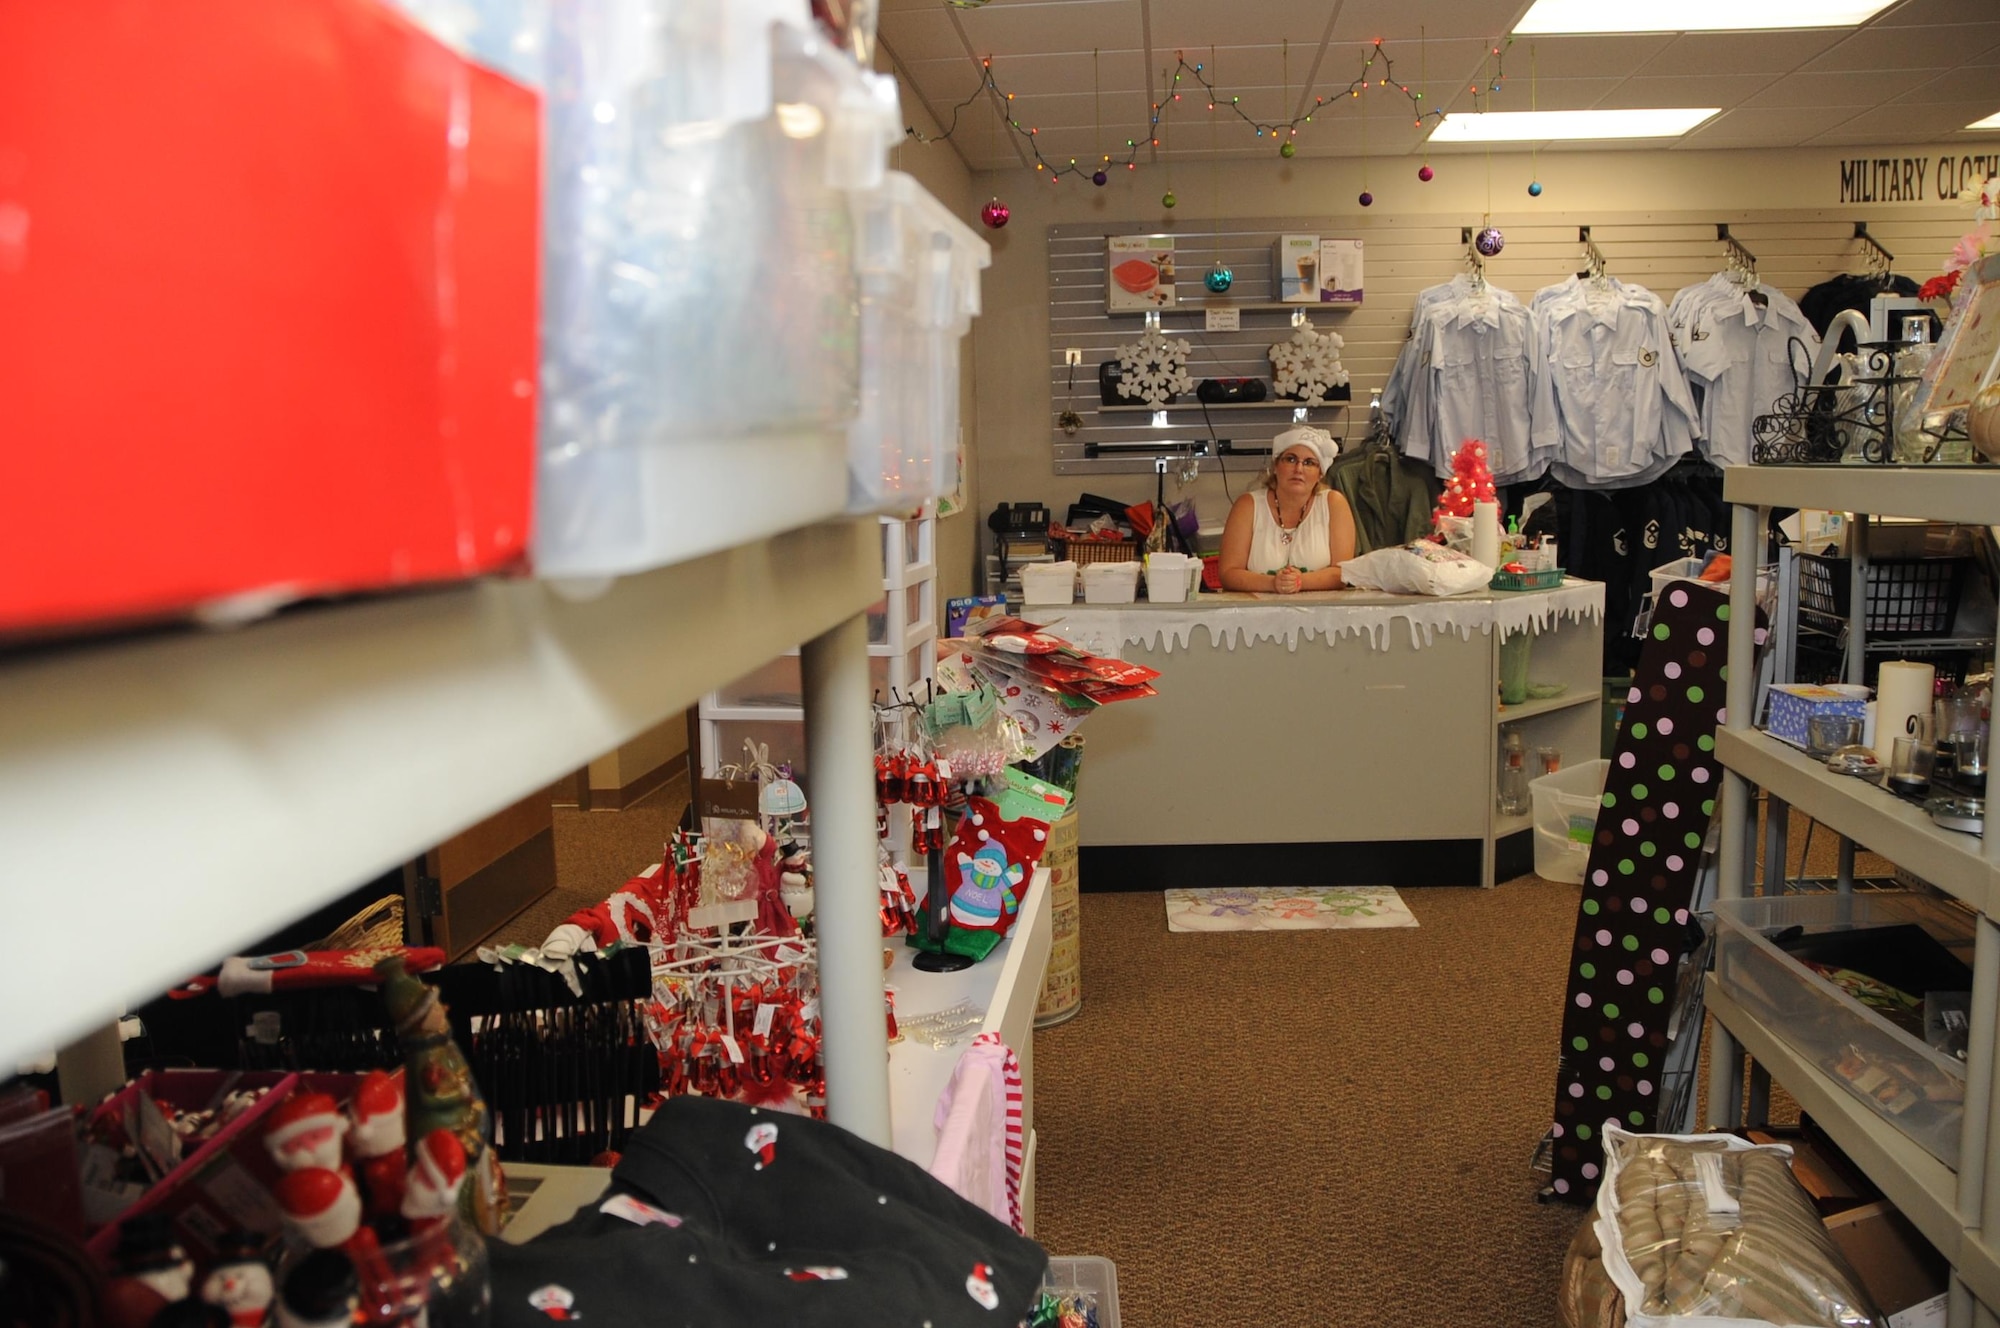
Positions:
{"x": 1154, "y": 368}
{"x": 1309, "y": 364}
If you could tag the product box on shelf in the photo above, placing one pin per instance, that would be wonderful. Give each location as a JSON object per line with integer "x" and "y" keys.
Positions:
{"x": 272, "y": 332}
{"x": 1139, "y": 273}
{"x": 1903, "y": 1273}
{"x": 1295, "y": 269}
{"x": 1894, "y": 1073}
{"x": 1340, "y": 272}
{"x": 1794, "y": 704}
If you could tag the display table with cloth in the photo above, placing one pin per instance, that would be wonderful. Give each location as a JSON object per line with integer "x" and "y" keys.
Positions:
{"x": 1334, "y": 737}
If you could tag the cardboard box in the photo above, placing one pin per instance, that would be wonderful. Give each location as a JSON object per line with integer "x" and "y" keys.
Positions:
{"x": 1793, "y": 704}
{"x": 1295, "y": 269}
{"x": 1340, "y": 272}
{"x": 1906, "y": 1277}
{"x": 1138, "y": 273}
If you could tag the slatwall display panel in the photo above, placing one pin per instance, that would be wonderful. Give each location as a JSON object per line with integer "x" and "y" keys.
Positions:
{"x": 1661, "y": 250}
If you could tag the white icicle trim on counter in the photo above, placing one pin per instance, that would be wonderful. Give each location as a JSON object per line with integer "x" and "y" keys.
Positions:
{"x": 1233, "y": 622}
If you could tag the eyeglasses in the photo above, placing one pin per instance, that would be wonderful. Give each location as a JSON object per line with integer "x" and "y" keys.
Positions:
{"x": 1299, "y": 460}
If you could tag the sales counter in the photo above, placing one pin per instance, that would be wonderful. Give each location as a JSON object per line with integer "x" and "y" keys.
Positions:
{"x": 1336, "y": 737}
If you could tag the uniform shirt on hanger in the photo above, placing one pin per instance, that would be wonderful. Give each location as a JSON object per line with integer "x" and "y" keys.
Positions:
{"x": 1471, "y": 370}
{"x": 1738, "y": 353}
{"x": 1615, "y": 387}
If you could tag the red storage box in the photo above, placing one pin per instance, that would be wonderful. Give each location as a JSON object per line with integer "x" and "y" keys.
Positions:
{"x": 267, "y": 307}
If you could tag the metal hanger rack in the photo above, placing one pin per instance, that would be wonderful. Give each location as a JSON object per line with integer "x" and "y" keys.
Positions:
{"x": 1742, "y": 263}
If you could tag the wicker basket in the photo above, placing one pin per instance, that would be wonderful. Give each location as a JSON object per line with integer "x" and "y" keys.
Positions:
{"x": 377, "y": 926}
{"x": 1096, "y": 551}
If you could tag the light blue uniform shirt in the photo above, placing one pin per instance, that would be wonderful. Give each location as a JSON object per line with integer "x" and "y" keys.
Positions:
{"x": 1620, "y": 399}
{"x": 1739, "y": 358}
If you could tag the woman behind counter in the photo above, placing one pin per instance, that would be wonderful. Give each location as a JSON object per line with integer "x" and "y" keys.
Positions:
{"x": 1291, "y": 533}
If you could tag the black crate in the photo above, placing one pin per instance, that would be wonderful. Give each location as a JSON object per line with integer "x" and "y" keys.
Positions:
{"x": 1907, "y": 597}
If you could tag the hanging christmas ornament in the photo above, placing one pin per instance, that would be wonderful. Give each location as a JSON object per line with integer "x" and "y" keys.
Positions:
{"x": 1489, "y": 241}
{"x": 995, "y": 214}
{"x": 1219, "y": 278}
{"x": 1425, "y": 173}
{"x": 1287, "y": 150}
{"x": 1367, "y": 199}
{"x": 1100, "y": 179}
{"x": 1534, "y": 189}
{"x": 1167, "y": 199}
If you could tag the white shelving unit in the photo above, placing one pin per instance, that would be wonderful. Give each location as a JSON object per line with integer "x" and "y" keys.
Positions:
{"x": 1571, "y": 651}
{"x": 1958, "y": 1211}
{"x": 763, "y": 705}
{"x": 167, "y": 799}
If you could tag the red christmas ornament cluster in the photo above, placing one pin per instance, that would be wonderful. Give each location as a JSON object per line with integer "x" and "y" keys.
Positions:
{"x": 1471, "y": 482}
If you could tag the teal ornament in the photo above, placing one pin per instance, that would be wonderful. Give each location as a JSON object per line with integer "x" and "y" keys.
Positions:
{"x": 1534, "y": 189}
{"x": 1219, "y": 279}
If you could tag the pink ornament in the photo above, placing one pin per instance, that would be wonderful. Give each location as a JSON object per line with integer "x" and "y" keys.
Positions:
{"x": 995, "y": 214}
{"x": 1425, "y": 173}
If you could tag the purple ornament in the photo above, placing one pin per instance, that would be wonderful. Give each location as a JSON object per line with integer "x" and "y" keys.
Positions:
{"x": 1489, "y": 241}
{"x": 1425, "y": 173}
{"x": 995, "y": 214}
{"x": 1367, "y": 199}
{"x": 1100, "y": 179}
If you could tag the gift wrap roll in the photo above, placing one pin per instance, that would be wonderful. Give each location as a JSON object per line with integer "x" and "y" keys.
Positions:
{"x": 1486, "y": 534}
{"x": 1062, "y": 986}
{"x": 1902, "y": 692}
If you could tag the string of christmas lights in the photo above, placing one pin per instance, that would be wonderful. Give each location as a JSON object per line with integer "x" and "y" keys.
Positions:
{"x": 1282, "y": 132}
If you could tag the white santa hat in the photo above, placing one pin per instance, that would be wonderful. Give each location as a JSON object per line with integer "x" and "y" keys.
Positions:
{"x": 322, "y": 1205}
{"x": 302, "y": 1115}
{"x": 377, "y": 1113}
{"x": 437, "y": 1170}
{"x": 1319, "y": 440}
{"x": 762, "y": 1140}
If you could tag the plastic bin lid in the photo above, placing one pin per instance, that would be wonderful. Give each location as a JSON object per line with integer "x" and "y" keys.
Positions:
{"x": 910, "y": 247}
{"x": 716, "y": 56}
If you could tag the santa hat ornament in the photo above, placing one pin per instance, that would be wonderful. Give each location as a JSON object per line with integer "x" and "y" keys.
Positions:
{"x": 305, "y": 1131}
{"x": 376, "y": 1114}
{"x": 979, "y": 1285}
{"x": 763, "y": 1141}
{"x": 320, "y": 1204}
{"x": 437, "y": 1172}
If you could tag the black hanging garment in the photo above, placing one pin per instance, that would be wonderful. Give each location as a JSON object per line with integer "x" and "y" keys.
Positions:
{"x": 722, "y": 1214}
{"x": 1823, "y": 302}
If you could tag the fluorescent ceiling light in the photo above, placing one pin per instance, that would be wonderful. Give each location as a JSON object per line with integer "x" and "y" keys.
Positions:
{"x": 1549, "y": 126}
{"x": 1695, "y": 15}
{"x": 1990, "y": 122}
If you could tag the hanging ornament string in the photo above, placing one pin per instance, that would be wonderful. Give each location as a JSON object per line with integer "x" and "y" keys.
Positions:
{"x": 1098, "y": 176}
{"x": 1219, "y": 278}
{"x": 1282, "y": 132}
{"x": 1367, "y": 199}
{"x": 1424, "y": 172}
{"x": 1535, "y": 155}
{"x": 1167, "y": 200}
{"x": 1287, "y": 148}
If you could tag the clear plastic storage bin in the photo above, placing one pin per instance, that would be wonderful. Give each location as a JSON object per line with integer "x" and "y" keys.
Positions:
{"x": 919, "y": 268}
{"x": 701, "y": 322}
{"x": 1110, "y": 583}
{"x": 1914, "y": 1087}
{"x": 1566, "y": 804}
{"x": 1048, "y": 583}
{"x": 1088, "y": 1273}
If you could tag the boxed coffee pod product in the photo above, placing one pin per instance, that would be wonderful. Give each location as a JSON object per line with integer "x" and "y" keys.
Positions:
{"x": 1295, "y": 263}
{"x": 1340, "y": 271}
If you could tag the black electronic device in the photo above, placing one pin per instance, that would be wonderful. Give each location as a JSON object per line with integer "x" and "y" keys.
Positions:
{"x": 1019, "y": 520}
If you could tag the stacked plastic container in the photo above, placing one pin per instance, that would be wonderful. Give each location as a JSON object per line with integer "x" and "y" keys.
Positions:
{"x": 919, "y": 268}
{"x": 701, "y": 364}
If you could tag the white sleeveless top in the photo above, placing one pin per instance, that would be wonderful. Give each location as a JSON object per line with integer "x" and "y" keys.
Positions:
{"x": 1308, "y": 548}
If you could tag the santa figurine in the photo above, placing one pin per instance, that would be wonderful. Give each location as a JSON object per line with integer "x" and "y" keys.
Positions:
{"x": 437, "y": 1172}
{"x": 305, "y": 1131}
{"x": 376, "y": 1136}
{"x": 152, "y": 1272}
{"x": 240, "y": 1283}
{"x": 320, "y": 1204}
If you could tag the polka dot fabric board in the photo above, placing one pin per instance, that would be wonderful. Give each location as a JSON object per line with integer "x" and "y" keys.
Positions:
{"x": 1631, "y": 926}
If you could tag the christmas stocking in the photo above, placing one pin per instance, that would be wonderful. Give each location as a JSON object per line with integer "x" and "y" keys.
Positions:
{"x": 990, "y": 862}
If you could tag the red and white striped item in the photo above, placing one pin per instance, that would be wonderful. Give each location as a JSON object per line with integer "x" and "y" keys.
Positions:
{"x": 981, "y": 1146}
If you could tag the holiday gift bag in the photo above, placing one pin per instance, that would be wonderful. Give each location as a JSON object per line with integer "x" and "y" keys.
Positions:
{"x": 990, "y": 862}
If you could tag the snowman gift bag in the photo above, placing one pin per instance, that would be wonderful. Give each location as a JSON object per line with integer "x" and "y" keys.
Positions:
{"x": 990, "y": 862}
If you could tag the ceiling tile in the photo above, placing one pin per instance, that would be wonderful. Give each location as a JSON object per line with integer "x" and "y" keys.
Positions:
{"x": 1121, "y": 71}
{"x": 1024, "y": 27}
{"x": 1915, "y": 13}
{"x": 1759, "y": 128}
{"x": 1884, "y": 50}
{"x": 1909, "y": 123}
{"x": 1399, "y": 20}
{"x": 1740, "y": 52}
{"x": 1848, "y": 88}
{"x": 1195, "y": 25}
{"x": 1724, "y": 90}
{"x": 1611, "y": 55}
{"x": 922, "y": 34}
{"x": 1971, "y": 83}
{"x": 1550, "y": 94}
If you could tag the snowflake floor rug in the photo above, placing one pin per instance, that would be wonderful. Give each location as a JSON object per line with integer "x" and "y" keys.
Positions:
{"x": 1285, "y": 908}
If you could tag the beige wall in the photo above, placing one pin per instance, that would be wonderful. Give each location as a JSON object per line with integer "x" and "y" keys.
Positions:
{"x": 939, "y": 168}
{"x": 1785, "y": 193}
{"x": 640, "y": 757}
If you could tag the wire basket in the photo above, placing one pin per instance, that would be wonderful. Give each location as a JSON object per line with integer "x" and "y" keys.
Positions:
{"x": 1081, "y": 551}
{"x": 1907, "y": 597}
